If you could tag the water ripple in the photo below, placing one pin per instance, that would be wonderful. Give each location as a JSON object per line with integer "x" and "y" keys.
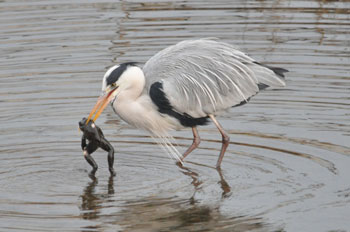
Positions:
{"x": 287, "y": 164}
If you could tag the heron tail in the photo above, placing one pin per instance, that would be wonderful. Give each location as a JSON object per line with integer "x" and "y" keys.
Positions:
{"x": 269, "y": 76}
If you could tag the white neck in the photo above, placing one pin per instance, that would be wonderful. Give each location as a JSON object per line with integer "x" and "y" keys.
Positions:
{"x": 131, "y": 84}
{"x": 136, "y": 107}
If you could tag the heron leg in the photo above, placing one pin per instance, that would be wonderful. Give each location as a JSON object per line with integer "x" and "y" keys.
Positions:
{"x": 195, "y": 143}
{"x": 105, "y": 145}
{"x": 225, "y": 140}
{"x": 89, "y": 149}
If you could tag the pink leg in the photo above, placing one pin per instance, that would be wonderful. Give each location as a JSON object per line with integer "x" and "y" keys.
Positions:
{"x": 196, "y": 142}
{"x": 225, "y": 140}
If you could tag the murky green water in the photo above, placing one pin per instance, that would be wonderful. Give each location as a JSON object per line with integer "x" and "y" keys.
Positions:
{"x": 287, "y": 168}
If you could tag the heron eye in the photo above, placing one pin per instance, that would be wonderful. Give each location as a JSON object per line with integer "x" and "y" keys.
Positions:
{"x": 113, "y": 84}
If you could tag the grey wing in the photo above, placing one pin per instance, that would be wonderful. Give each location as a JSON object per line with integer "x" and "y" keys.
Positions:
{"x": 201, "y": 77}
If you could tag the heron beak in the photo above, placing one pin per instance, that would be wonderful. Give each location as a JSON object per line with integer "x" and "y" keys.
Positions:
{"x": 101, "y": 104}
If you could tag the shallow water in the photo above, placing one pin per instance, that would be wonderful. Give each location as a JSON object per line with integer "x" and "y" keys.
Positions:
{"x": 286, "y": 169}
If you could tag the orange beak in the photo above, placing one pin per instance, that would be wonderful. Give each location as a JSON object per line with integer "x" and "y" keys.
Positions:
{"x": 100, "y": 105}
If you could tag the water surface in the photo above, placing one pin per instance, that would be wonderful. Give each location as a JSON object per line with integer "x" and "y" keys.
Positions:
{"x": 286, "y": 169}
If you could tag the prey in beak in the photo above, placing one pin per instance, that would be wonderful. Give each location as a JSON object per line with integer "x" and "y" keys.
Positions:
{"x": 101, "y": 104}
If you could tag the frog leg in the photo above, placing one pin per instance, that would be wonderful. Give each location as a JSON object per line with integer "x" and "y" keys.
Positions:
{"x": 90, "y": 148}
{"x": 105, "y": 145}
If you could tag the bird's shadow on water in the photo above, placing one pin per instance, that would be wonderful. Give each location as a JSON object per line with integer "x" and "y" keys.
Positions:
{"x": 196, "y": 182}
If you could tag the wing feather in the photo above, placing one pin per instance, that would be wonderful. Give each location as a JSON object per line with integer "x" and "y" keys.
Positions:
{"x": 205, "y": 76}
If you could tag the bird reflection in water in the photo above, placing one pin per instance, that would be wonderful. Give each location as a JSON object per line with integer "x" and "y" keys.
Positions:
{"x": 226, "y": 189}
{"x": 161, "y": 213}
{"x": 172, "y": 214}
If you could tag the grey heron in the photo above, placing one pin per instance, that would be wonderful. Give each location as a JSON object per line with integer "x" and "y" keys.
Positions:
{"x": 185, "y": 85}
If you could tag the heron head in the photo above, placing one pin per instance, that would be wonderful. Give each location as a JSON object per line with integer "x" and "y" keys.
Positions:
{"x": 114, "y": 78}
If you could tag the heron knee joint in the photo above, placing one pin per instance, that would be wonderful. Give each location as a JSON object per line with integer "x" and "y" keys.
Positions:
{"x": 197, "y": 141}
{"x": 225, "y": 139}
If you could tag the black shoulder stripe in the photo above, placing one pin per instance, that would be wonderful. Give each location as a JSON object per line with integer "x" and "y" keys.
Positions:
{"x": 158, "y": 96}
{"x": 114, "y": 76}
{"x": 161, "y": 101}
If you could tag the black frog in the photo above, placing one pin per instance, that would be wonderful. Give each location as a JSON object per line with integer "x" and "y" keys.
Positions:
{"x": 96, "y": 139}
